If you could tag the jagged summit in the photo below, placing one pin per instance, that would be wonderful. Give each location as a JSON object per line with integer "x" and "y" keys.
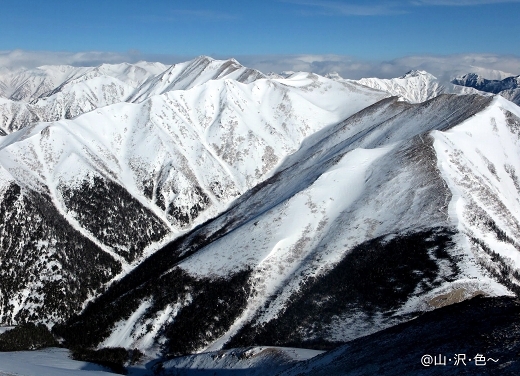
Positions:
{"x": 333, "y": 76}
{"x": 416, "y": 86}
{"x": 415, "y": 73}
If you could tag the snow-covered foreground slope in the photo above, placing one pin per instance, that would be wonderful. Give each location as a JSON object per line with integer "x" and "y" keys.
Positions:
{"x": 45, "y": 363}
{"x": 369, "y": 221}
{"x": 85, "y": 200}
{"x": 53, "y": 362}
{"x": 251, "y": 361}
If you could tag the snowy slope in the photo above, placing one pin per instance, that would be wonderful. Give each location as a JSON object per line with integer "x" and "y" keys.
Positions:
{"x": 126, "y": 177}
{"x": 52, "y": 362}
{"x": 480, "y": 160}
{"x": 292, "y": 261}
{"x": 415, "y": 86}
{"x": 45, "y": 362}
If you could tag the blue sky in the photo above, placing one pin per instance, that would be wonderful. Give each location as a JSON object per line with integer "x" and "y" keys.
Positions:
{"x": 364, "y": 30}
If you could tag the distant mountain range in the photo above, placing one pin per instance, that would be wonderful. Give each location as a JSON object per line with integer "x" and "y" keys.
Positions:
{"x": 418, "y": 86}
{"x": 509, "y": 87}
{"x": 207, "y": 206}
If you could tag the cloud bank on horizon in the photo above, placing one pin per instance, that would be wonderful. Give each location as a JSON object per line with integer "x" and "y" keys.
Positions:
{"x": 442, "y": 66}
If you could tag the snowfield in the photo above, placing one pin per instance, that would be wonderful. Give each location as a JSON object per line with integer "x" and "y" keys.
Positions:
{"x": 48, "y": 362}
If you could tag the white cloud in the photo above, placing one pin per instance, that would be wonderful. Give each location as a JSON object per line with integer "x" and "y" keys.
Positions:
{"x": 442, "y": 66}
{"x": 30, "y": 59}
{"x": 337, "y": 8}
{"x": 379, "y": 8}
{"x": 460, "y": 3}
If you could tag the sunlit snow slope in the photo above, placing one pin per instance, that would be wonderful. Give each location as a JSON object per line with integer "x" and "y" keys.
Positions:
{"x": 50, "y": 93}
{"x": 399, "y": 208}
{"x": 205, "y": 206}
{"x": 84, "y": 200}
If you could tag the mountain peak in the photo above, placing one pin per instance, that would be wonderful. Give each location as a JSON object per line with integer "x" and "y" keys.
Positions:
{"x": 333, "y": 76}
{"x": 415, "y": 73}
{"x": 234, "y": 61}
{"x": 203, "y": 58}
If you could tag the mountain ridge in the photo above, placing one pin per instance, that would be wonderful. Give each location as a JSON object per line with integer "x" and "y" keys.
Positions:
{"x": 208, "y": 206}
{"x": 168, "y": 163}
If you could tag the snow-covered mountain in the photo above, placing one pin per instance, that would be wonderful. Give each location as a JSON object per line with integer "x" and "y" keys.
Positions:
{"x": 205, "y": 205}
{"x": 52, "y": 93}
{"x": 509, "y": 87}
{"x": 399, "y": 208}
{"x": 125, "y": 178}
{"x": 416, "y": 86}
